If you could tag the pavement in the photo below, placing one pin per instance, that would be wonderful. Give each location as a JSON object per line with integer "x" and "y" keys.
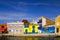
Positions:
{"x": 41, "y": 34}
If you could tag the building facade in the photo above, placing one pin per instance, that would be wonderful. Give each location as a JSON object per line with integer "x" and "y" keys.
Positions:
{"x": 57, "y": 24}
{"x": 48, "y": 29}
{"x": 15, "y": 27}
{"x": 31, "y": 29}
{"x": 45, "y": 24}
{"x": 45, "y": 21}
{"x": 3, "y": 28}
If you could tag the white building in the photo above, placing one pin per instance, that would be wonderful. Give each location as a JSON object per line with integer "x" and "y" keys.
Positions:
{"x": 15, "y": 27}
{"x": 45, "y": 21}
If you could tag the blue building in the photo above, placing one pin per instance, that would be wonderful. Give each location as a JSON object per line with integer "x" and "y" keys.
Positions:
{"x": 49, "y": 29}
{"x": 43, "y": 22}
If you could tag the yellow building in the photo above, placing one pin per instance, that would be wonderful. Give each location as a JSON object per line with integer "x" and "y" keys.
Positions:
{"x": 57, "y": 24}
{"x": 31, "y": 28}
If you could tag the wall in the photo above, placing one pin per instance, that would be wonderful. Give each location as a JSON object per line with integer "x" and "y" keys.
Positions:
{"x": 3, "y": 28}
{"x": 30, "y": 29}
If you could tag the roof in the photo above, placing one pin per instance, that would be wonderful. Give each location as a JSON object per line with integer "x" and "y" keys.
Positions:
{"x": 48, "y": 21}
{"x": 15, "y": 23}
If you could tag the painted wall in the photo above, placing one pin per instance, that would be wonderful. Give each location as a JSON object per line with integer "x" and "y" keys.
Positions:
{"x": 31, "y": 29}
{"x": 3, "y": 28}
{"x": 15, "y": 27}
{"x": 49, "y": 29}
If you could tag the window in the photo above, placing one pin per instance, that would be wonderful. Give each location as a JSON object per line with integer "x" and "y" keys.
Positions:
{"x": 40, "y": 21}
{"x": 57, "y": 30}
{"x": 26, "y": 31}
{"x": 40, "y": 27}
{"x": 9, "y": 30}
{"x": 26, "y": 26}
{"x": 2, "y": 26}
{"x": 20, "y": 30}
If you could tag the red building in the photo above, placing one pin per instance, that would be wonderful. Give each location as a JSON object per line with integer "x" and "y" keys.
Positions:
{"x": 3, "y": 28}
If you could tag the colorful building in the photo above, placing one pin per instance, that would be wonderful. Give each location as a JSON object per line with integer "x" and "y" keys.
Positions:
{"x": 57, "y": 24}
{"x": 45, "y": 24}
{"x": 15, "y": 27}
{"x": 45, "y": 21}
{"x": 3, "y": 28}
{"x": 48, "y": 29}
{"x": 31, "y": 29}
{"x": 41, "y": 25}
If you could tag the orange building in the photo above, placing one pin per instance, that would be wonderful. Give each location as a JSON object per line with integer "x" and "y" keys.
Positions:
{"x": 3, "y": 28}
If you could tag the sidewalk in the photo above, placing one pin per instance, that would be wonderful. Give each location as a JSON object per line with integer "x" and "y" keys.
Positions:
{"x": 52, "y": 34}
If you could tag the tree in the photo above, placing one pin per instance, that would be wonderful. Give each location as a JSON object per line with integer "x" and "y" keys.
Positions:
{"x": 25, "y": 22}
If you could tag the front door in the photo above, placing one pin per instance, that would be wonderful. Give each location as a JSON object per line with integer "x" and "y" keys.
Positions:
{"x": 26, "y": 31}
{"x": 57, "y": 30}
{"x": 33, "y": 31}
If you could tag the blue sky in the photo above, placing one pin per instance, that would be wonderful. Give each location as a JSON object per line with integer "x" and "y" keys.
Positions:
{"x": 17, "y": 10}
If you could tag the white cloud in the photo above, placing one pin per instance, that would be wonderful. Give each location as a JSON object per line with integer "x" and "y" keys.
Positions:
{"x": 23, "y": 3}
{"x": 17, "y": 6}
{"x": 38, "y": 3}
{"x": 5, "y": 18}
{"x": 16, "y": 16}
{"x": 23, "y": 6}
